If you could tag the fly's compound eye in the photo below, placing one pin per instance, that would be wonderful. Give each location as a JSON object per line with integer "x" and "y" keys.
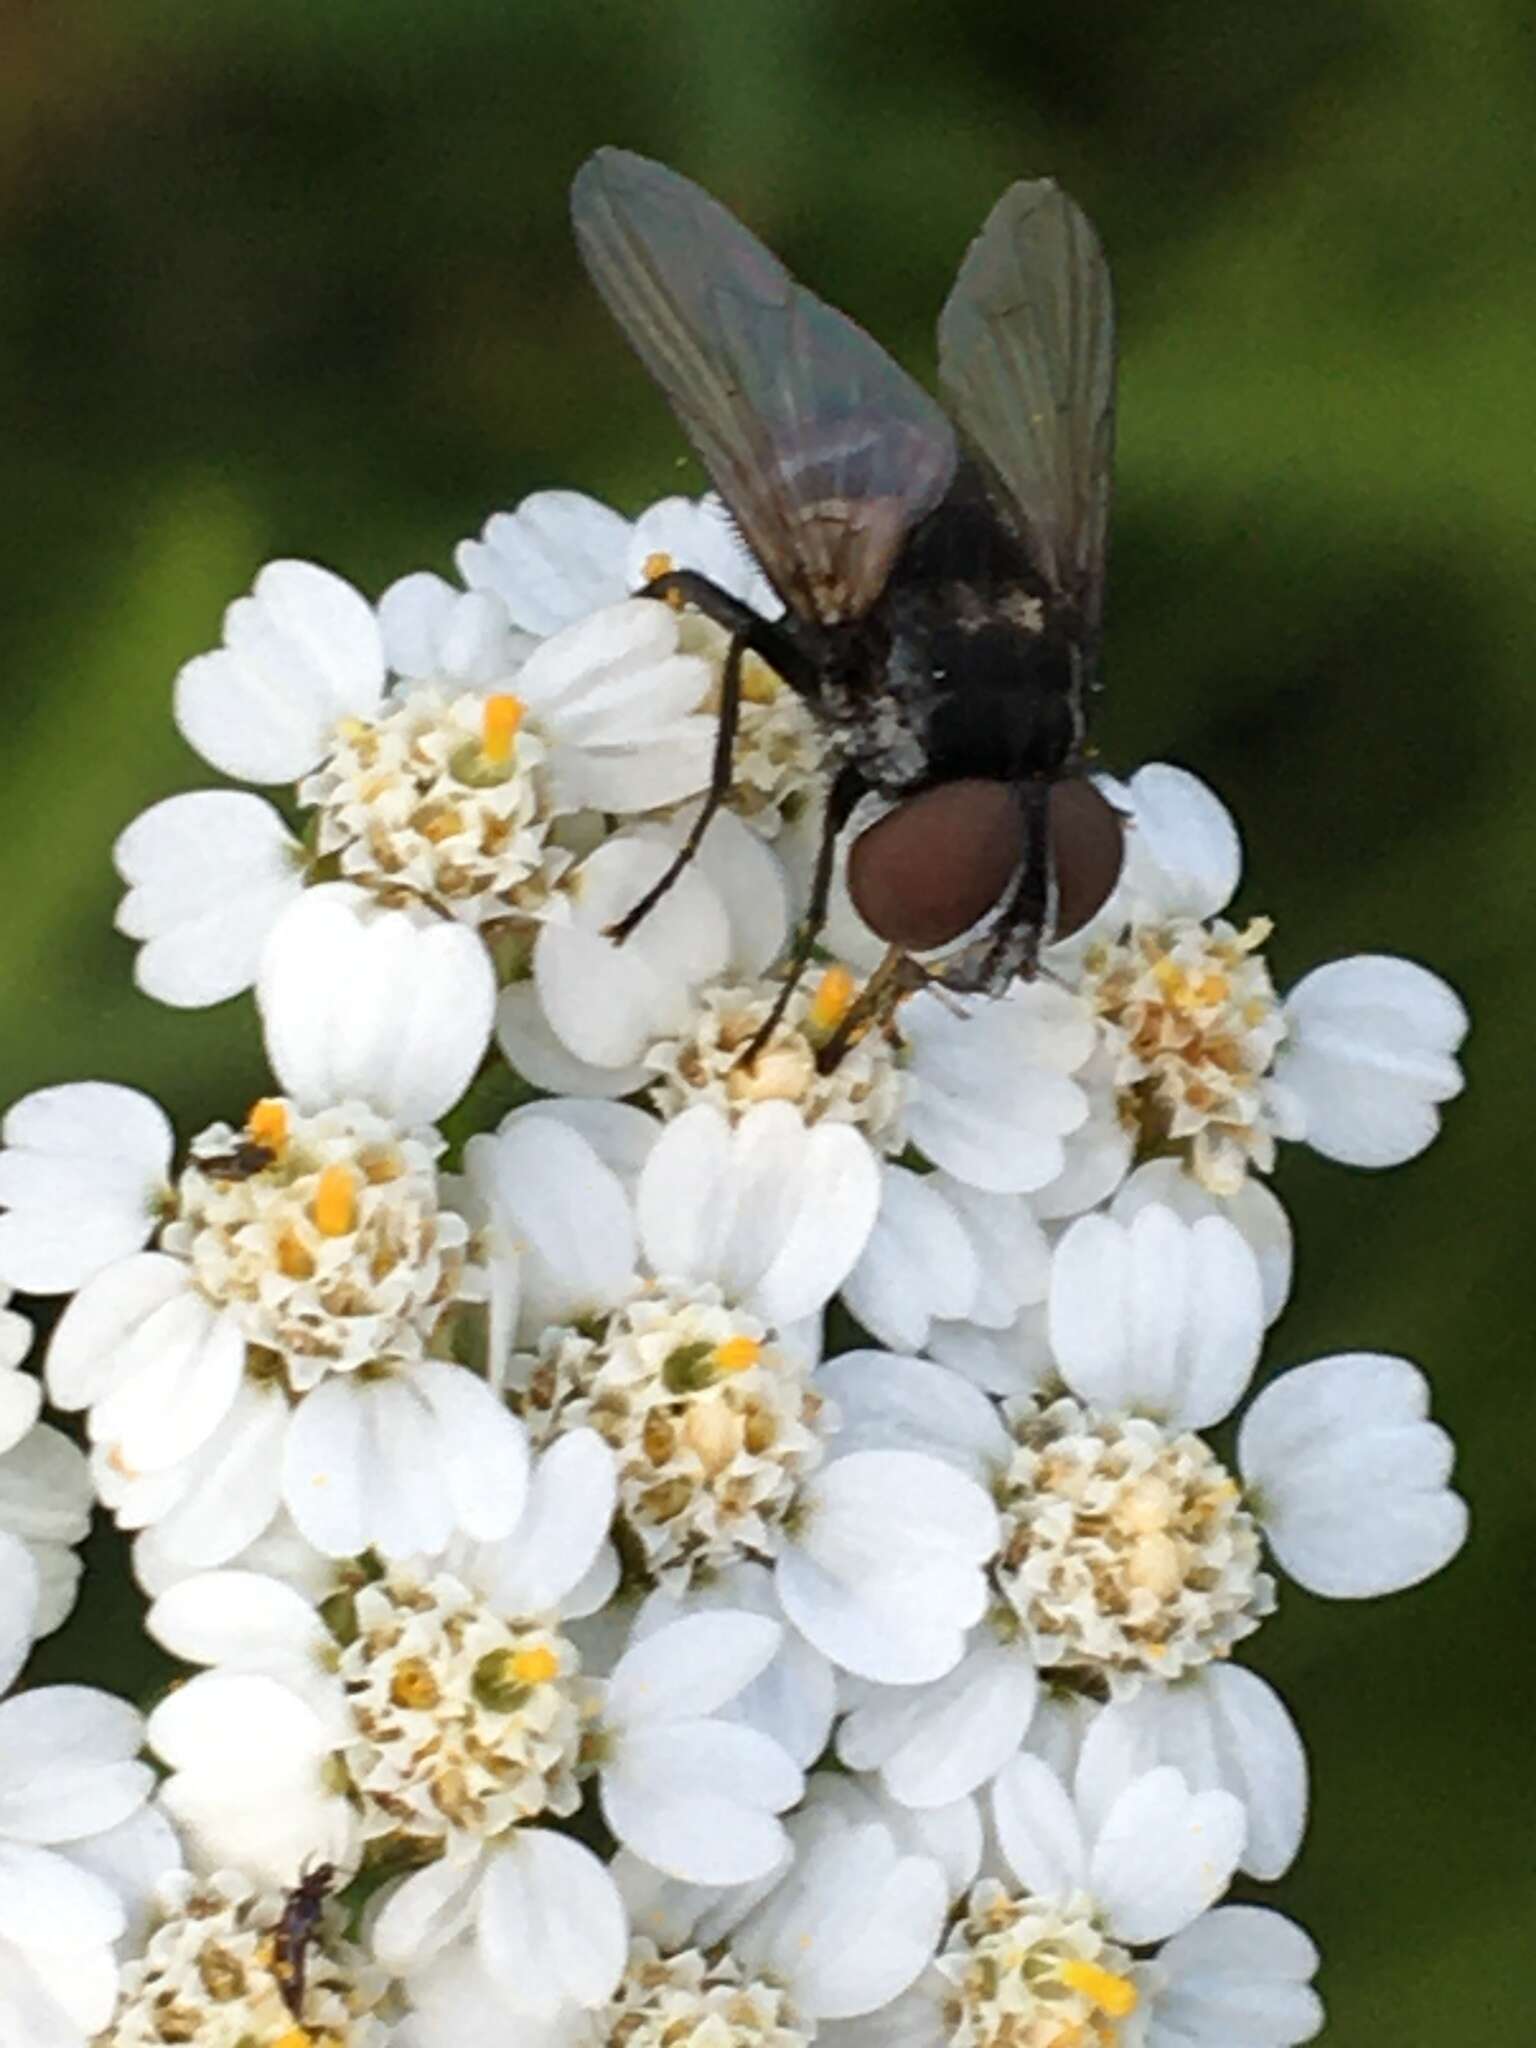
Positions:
{"x": 1087, "y": 848}
{"x": 929, "y": 871}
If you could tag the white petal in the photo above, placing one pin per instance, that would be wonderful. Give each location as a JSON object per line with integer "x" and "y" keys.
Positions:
{"x": 240, "y": 1620}
{"x": 1370, "y": 1053}
{"x": 934, "y": 1744}
{"x": 749, "y": 881}
{"x": 67, "y": 1763}
{"x": 551, "y": 1924}
{"x": 1224, "y": 1729}
{"x": 891, "y": 1403}
{"x": 1240, "y": 1977}
{"x": 775, "y": 1213}
{"x": 1038, "y": 1830}
{"x": 1254, "y": 1210}
{"x": 918, "y": 1263}
{"x": 565, "y": 1214}
{"x": 483, "y": 1449}
{"x": 209, "y": 873}
{"x": 557, "y": 557}
{"x": 691, "y": 1668}
{"x": 1162, "y": 1855}
{"x": 42, "y": 1894}
{"x": 429, "y": 1909}
{"x": 375, "y": 1007}
{"x": 564, "y": 1524}
{"x": 82, "y": 1171}
{"x": 431, "y": 630}
{"x": 363, "y": 1469}
{"x": 1159, "y": 1316}
{"x": 1350, "y": 1478}
{"x": 608, "y": 1003}
{"x": 232, "y": 1492}
{"x": 1183, "y": 855}
{"x": 111, "y": 1324}
{"x": 532, "y": 1048}
{"x": 301, "y": 652}
{"x": 696, "y": 1798}
{"x": 188, "y": 1363}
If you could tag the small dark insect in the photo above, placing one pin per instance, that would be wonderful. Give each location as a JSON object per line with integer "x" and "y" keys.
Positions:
{"x": 297, "y": 1929}
{"x": 942, "y": 573}
{"x": 242, "y": 1162}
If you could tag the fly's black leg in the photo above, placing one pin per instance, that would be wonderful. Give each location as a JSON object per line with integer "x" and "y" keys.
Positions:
{"x": 719, "y": 790}
{"x": 841, "y": 798}
{"x": 1030, "y": 914}
{"x": 762, "y": 637}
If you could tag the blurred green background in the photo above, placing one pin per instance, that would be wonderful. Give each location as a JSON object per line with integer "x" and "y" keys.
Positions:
{"x": 282, "y": 278}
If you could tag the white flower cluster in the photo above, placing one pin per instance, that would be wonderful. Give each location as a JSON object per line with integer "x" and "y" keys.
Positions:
{"x": 594, "y": 1641}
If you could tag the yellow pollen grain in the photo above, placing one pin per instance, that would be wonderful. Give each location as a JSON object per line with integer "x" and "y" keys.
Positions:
{"x": 267, "y": 1123}
{"x": 534, "y": 1667}
{"x": 832, "y": 1000}
{"x": 412, "y": 1685}
{"x": 335, "y": 1204}
{"x": 1115, "y": 1995}
{"x": 293, "y": 1260}
{"x": 658, "y": 563}
{"x": 737, "y": 1354}
{"x": 296, "y": 2037}
{"x": 499, "y": 721}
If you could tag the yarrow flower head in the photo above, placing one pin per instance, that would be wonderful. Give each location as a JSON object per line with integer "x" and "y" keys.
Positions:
{"x": 480, "y": 1398}
{"x": 288, "y": 1340}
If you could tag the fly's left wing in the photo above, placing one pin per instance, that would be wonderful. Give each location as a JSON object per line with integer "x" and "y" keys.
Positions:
{"x": 1027, "y": 364}
{"x": 824, "y": 450}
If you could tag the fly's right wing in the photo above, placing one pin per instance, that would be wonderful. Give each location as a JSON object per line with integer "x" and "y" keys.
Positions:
{"x": 1027, "y": 364}
{"x": 825, "y": 452}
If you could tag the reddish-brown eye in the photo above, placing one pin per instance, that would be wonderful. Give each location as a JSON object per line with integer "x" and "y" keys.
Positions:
{"x": 935, "y": 865}
{"x": 1087, "y": 846}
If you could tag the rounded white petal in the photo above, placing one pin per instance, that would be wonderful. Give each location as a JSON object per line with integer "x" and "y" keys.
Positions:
{"x": 433, "y": 631}
{"x": 1013, "y": 1254}
{"x": 1240, "y": 1977}
{"x": 67, "y": 1763}
{"x": 773, "y": 1212}
{"x": 20, "y": 1586}
{"x": 43, "y": 1895}
{"x": 1224, "y": 1729}
{"x": 1183, "y": 854}
{"x": 551, "y": 1925}
{"x": 177, "y": 1381}
{"x": 608, "y": 1003}
{"x": 559, "y": 556}
{"x": 689, "y": 1668}
{"x": 113, "y": 1324}
{"x": 1162, "y": 1854}
{"x": 366, "y": 1467}
{"x": 1038, "y": 1829}
{"x": 1158, "y": 1316}
{"x": 750, "y": 882}
{"x": 300, "y": 653}
{"x": 82, "y": 1171}
{"x": 934, "y": 1744}
{"x": 886, "y": 1576}
{"x": 228, "y": 1493}
{"x": 918, "y": 1263}
{"x": 240, "y": 1620}
{"x": 482, "y": 1449}
{"x": 697, "y": 1798}
{"x": 430, "y": 1908}
{"x": 208, "y": 875}
{"x": 563, "y": 1527}
{"x": 562, "y": 1213}
{"x": 891, "y": 1403}
{"x": 1350, "y": 1478}
{"x": 531, "y": 1047}
{"x": 374, "y": 1006}
{"x": 1370, "y": 1053}
{"x": 1255, "y": 1210}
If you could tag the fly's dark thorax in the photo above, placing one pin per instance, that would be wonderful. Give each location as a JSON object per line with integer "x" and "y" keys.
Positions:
{"x": 980, "y": 639}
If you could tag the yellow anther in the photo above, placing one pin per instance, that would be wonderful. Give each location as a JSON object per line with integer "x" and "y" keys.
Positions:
{"x": 657, "y": 563}
{"x": 833, "y": 999}
{"x": 267, "y": 1123}
{"x": 293, "y": 1260}
{"x": 499, "y": 721}
{"x": 412, "y": 1685}
{"x": 335, "y": 1203}
{"x": 295, "y": 2037}
{"x": 1115, "y": 1995}
{"x": 534, "y": 1667}
{"x": 737, "y": 1354}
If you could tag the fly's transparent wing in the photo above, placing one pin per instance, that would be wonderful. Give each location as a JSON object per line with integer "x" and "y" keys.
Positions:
{"x": 1027, "y": 365}
{"x": 825, "y": 451}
